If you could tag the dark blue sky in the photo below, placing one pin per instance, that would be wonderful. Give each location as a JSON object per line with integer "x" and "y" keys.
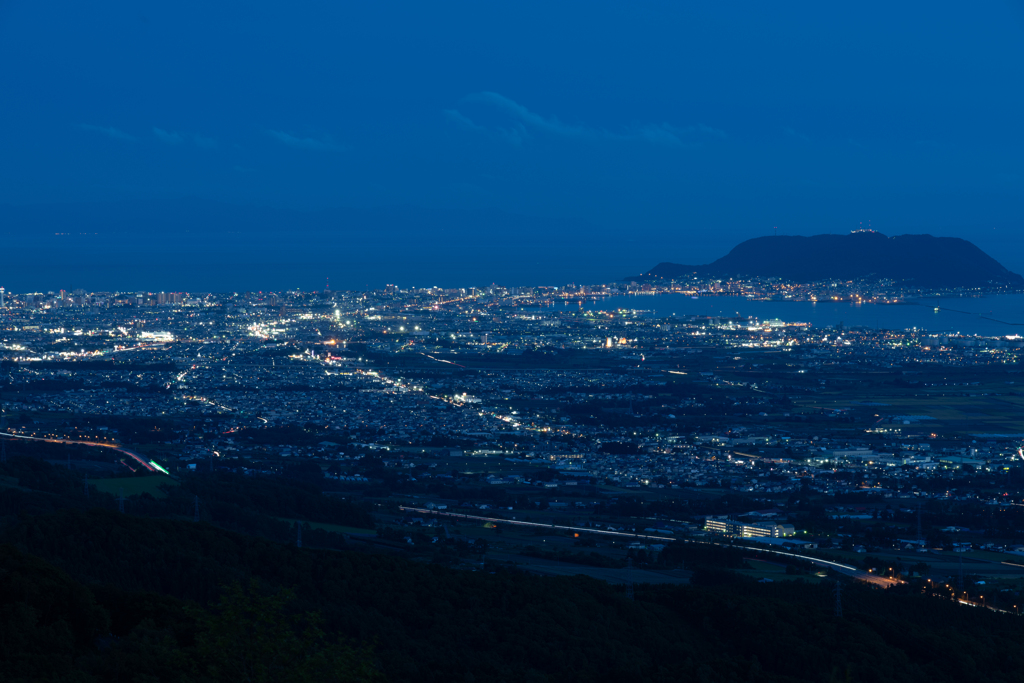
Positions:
{"x": 684, "y": 127}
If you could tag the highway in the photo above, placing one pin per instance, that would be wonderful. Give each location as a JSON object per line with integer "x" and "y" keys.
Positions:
{"x": 844, "y": 569}
{"x": 120, "y": 449}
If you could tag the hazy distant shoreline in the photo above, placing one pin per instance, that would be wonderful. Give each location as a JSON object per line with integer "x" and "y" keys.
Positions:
{"x": 992, "y": 315}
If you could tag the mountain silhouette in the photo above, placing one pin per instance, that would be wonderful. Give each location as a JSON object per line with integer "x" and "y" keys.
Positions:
{"x": 915, "y": 260}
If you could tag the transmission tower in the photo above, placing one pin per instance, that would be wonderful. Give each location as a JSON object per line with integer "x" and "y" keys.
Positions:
{"x": 120, "y": 500}
{"x": 960, "y": 573}
{"x": 3, "y": 441}
{"x": 629, "y": 578}
{"x": 838, "y": 593}
{"x": 195, "y": 517}
{"x": 298, "y": 539}
{"x": 920, "y": 536}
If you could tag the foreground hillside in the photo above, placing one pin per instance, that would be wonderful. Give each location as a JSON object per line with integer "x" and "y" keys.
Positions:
{"x": 98, "y": 595}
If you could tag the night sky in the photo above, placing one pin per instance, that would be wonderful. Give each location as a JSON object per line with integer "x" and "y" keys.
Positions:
{"x": 631, "y": 133}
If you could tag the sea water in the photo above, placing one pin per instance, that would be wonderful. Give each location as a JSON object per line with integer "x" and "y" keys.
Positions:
{"x": 995, "y": 315}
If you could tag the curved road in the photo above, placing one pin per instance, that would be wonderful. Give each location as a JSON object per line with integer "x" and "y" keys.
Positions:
{"x": 120, "y": 449}
{"x": 845, "y": 569}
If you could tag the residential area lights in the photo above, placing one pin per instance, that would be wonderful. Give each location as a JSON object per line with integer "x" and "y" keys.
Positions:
{"x": 769, "y": 410}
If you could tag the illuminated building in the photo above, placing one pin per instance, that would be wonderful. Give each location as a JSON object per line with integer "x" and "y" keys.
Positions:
{"x": 755, "y": 530}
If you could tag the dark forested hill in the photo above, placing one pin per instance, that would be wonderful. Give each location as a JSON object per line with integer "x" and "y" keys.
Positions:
{"x": 917, "y": 260}
{"x": 115, "y": 597}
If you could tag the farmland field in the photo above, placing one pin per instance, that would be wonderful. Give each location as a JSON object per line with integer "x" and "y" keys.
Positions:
{"x": 134, "y": 486}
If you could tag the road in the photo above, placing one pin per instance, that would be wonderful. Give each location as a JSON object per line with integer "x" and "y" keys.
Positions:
{"x": 844, "y": 569}
{"x": 120, "y": 449}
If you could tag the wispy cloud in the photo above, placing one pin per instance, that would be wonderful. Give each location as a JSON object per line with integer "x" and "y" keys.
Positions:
{"x": 459, "y": 118}
{"x": 514, "y": 132}
{"x": 309, "y": 142}
{"x": 519, "y": 124}
{"x": 673, "y": 136}
{"x": 172, "y": 138}
{"x": 109, "y": 131}
{"x": 208, "y": 143}
{"x": 167, "y": 137}
{"x": 519, "y": 120}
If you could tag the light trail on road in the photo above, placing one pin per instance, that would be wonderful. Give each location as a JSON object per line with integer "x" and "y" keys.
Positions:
{"x": 845, "y": 569}
{"x": 85, "y": 443}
